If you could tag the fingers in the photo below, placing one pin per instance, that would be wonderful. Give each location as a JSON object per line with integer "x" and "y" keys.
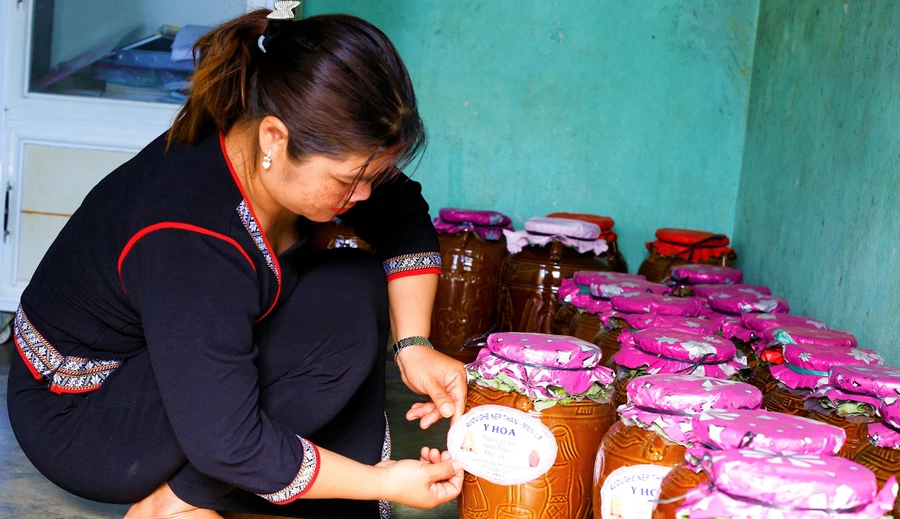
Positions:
{"x": 442, "y": 400}
{"x": 433, "y": 455}
{"x": 419, "y": 410}
{"x": 457, "y": 388}
{"x": 444, "y": 470}
{"x": 450, "y": 488}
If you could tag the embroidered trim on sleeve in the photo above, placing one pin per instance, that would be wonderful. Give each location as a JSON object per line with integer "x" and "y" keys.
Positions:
{"x": 309, "y": 469}
{"x": 384, "y": 507}
{"x": 413, "y": 263}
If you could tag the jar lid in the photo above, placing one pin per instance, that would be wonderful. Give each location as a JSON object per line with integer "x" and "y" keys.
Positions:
{"x": 647, "y": 303}
{"x": 688, "y": 237}
{"x": 806, "y": 365}
{"x": 475, "y": 216}
{"x": 569, "y": 289}
{"x": 808, "y": 335}
{"x": 732, "y": 328}
{"x": 666, "y": 403}
{"x": 887, "y": 433}
{"x": 762, "y": 322}
{"x": 684, "y": 346}
{"x": 739, "y": 303}
{"x": 764, "y": 430}
{"x": 542, "y": 366}
{"x": 749, "y": 483}
{"x": 563, "y": 227}
{"x": 609, "y": 289}
{"x": 591, "y": 304}
{"x": 878, "y": 381}
{"x": 604, "y": 222}
{"x": 671, "y": 322}
{"x": 586, "y": 277}
{"x": 701, "y": 273}
{"x": 707, "y": 291}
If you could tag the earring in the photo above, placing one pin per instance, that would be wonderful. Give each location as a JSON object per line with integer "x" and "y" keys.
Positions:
{"x": 267, "y": 160}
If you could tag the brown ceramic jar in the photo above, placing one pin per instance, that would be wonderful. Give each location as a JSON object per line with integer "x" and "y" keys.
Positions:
{"x": 678, "y": 482}
{"x": 466, "y": 301}
{"x": 608, "y": 341}
{"x": 529, "y": 281}
{"x": 562, "y": 323}
{"x": 681, "y": 246}
{"x": 762, "y": 378}
{"x": 782, "y": 399}
{"x": 856, "y": 428}
{"x": 631, "y": 446}
{"x": 562, "y": 493}
{"x": 333, "y": 235}
{"x": 620, "y": 395}
{"x": 884, "y": 463}
{"x": 586, "y": 326}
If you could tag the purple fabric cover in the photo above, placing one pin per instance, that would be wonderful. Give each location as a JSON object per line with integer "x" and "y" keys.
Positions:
{"x": 756, "y": 429}
{"x": 539, "y": 231}
{"x": 765, "y": 485}
{"x": 744, "y": 302}
{"x": 609, "y": 289}
{"x": 733, "y": 328}
{"x": 762, "y": 322}
{"x": 580, "y": 297}
{"x": 806, "y": 335}
{"x": 887, "y": 433}
{"x": 877, "y": 381}
{"x": 667, "y": 402}
{"x": 528, "y": 359}
{"x": 567, "y": 290}
{"x": 671, "y": 322}
{"x": 586, "y": 277}
{"x": 663, "y": 350}
{"x": 801, "y": 359}
{"x": 646, "y": 303}
{"x": 707, "y": 291}
{"x": 701, "y": 273}
{"x": 488, "y": 224}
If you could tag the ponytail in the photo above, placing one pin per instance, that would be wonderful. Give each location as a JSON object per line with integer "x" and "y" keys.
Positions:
{"x": 219, "y": 87}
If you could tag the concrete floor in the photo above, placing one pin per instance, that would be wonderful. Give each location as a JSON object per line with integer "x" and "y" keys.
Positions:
{"x": 25, "y": 494}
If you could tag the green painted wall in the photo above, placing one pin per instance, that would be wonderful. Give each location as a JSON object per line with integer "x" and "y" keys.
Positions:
{"x": 817, "y": 215}
{"x": 633, "y": 109}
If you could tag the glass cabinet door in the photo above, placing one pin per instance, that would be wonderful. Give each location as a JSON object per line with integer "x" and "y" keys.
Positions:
{"x": 136, "y": 50}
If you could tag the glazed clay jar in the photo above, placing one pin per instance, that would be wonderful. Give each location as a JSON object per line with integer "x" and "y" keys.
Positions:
{"x": 851, "y": 400}
{"x": 764, "y": 485}
{"x": 738, "y": 428}
{"x": 750, "y": 338}
{"x": 472, "y": 253}
{"x": 579, "y": 309}
{"x": 612, "y": 255}
{"x": 558, "y": 380}
{"x": 336, "y": 235}
{"x": 664, "y": 350}
{"x": 641, "y": 448}
{"x": 548, "y": 251}
{"x": 805, "y": 368}
{"x": 882, "y": 454}
{"x": 683, "y": 277}
{"x": 638, "y": 303}
{"x": 674, "y": 247}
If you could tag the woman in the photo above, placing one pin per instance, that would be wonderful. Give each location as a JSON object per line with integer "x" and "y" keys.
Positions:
{"x": 180, "y": 350}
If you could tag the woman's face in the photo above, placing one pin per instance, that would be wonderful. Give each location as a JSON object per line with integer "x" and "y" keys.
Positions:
{"x": 319, "y": 188}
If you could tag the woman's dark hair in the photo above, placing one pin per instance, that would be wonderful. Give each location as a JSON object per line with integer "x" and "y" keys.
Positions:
{"x": 336, "y": 82}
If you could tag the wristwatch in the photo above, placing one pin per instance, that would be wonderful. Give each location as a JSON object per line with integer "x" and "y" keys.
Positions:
{"x": 416, "y": 340}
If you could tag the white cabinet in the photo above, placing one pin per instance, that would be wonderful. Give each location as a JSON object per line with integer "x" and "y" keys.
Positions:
{"x": 65, "y": 125}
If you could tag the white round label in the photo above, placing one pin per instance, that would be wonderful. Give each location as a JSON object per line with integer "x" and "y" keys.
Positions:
{"x": 631, "y": 492}
{"x": 502, "y": 445}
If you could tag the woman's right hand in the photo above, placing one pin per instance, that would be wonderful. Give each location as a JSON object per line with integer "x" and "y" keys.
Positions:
{"x": 426, "y": 483}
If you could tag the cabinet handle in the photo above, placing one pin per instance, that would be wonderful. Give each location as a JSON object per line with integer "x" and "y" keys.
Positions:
{"x": 6, "y": 212}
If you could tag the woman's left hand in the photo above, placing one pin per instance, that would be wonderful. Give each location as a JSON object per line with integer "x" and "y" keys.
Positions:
{"x": 431, "y": 373}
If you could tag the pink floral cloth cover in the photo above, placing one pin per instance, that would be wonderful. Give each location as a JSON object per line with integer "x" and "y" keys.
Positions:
{"x": 580, "y": 297}
{"x": 717, "y": 430}
{"x": 877, "y": 381}
{"x": 806, "y": 365}
{"x": 568, "y": 289}
{"x": 663, "y": 350}
{"x": 744, "y": 301}
{"x": 808, "y": 335}
{"x": 707, "y": 291}
{"x": 666, "y": 403}
{"x": 548, "y": 369}
{"x": 733, "y": 328}
{"x": 887, "y": 433}
{"x": 586, "y": 277}
{"x": 671, "y": 322}
{"x": 764, "y": 485}
{"x": 701, "y": 273}
{"x": 762, "y": 322}
{"x": 539, "y": 231}
{"x": 646, "y": 303}
{"x": 612, "y": 288}
{"x": 488, "y": 224}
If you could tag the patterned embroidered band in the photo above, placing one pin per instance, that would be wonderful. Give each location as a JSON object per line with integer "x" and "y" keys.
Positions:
{"x": 66, "y": 374}
{"x": 426, "y": 262}
{"x": 309, "y": 469}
